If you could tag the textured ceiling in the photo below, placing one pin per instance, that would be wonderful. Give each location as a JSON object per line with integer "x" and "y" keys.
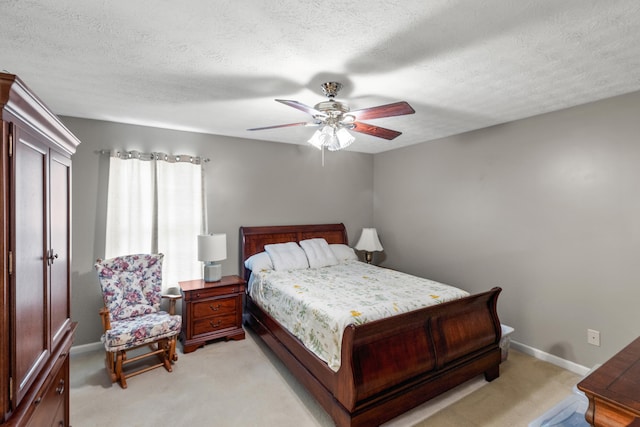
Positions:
{"x": 216, "y": 66}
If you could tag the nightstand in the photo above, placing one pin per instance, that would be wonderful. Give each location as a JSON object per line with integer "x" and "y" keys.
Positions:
{"x": 211, "y": 310}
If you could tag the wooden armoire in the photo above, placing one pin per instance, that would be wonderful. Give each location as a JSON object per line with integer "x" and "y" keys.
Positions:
{"x": 36, "y": 330}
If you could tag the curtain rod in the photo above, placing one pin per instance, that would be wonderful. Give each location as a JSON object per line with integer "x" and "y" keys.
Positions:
{"x": 171, "y": 158}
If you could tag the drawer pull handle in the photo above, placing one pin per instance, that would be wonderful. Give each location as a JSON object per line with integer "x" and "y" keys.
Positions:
{"x": 38, "y": 400}
{"x": 214, "y": 308}
{"x": 214, "y": 325}
{"x": 60, "y": 388}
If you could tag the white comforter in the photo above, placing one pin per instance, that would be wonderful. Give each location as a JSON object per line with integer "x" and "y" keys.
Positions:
{"x": 316, "y": 304}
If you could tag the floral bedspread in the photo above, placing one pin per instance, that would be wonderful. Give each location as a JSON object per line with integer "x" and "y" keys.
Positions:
{"x": 316, "y": 304}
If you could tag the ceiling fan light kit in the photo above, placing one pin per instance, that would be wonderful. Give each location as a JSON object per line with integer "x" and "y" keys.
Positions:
{"x": 332, "y": 138}
{"x": 336, "y": 119}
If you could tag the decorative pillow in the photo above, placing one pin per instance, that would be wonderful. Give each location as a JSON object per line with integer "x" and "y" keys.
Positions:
{"x": 287, "y": 256}
{"x": 259, "y": 262}
{"x": 343, "y": 252}
{"x": 318, "y": 253}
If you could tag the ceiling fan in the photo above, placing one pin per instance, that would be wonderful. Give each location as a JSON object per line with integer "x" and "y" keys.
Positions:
{"x": 336, "y": 119}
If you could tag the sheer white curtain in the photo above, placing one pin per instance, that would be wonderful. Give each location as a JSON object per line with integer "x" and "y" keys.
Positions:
{"x": 156, "y": 204}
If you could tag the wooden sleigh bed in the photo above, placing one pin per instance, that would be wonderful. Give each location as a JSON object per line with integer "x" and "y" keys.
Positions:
{"x": 388, "y": 366}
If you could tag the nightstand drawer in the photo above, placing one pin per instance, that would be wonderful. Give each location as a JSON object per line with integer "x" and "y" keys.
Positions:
{"x": 212, "y": 292}
{"x": 213, "y": 324}
{"x": 214, "y": 307}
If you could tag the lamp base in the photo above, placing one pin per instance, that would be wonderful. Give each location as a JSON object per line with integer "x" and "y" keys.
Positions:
{"x": 212, "y": 272}
{"x": 368, "y": 256}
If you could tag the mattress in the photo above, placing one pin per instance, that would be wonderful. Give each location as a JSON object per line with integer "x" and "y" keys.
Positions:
{"x": 317, "y": 304}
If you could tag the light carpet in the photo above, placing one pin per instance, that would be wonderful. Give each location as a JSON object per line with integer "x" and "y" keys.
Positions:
{"x": 241, "y": 383}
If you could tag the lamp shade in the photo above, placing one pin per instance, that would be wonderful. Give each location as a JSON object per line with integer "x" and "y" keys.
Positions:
{"x": 343, "y": 139}
{"x": 369, "y": 241}
{"x": 212, "y": 247}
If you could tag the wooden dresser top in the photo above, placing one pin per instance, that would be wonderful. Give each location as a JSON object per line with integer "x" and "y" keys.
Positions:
{"x": 618, "y": 379}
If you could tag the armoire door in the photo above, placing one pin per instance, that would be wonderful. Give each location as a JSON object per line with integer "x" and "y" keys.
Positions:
{"x": 30, "y": 338}
{"x": 60, "y": 244}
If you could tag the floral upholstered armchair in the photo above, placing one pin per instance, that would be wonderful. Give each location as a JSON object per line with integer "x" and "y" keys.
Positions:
{"x": 131, "y": 316}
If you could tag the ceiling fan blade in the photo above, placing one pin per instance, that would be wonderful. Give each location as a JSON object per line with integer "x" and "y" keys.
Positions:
{"x": 375, "y": 131}
{"x": 284, "y": 126}
{"x": 396, "y": 109}
{"x": 302, "y": 107}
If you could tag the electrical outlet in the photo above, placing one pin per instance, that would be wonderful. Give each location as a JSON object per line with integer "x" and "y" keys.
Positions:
{"x": 593, "y": 337}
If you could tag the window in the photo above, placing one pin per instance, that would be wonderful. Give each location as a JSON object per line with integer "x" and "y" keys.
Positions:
{"x": 156, "y": 204}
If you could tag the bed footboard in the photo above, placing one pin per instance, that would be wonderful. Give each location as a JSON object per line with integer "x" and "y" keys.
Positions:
{"x": 395, "y": 364}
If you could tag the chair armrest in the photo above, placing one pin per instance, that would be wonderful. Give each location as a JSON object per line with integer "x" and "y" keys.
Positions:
{"x": 172, "y": 302}
{"x": 106, "y": 322}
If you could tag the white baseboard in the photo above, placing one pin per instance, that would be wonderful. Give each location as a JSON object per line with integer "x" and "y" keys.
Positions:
{"x": 555, "y": 360}
{"x": 86, "y": 348}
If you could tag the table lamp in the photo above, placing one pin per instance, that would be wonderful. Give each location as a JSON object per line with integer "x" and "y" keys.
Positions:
{"x": 212, "y": 248}
{"x": 369, "y": 243}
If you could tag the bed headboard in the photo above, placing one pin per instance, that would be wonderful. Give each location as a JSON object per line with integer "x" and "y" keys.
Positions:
{"x": 253, "y": 239}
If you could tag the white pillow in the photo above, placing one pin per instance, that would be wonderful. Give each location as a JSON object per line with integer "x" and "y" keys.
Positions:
{"x": 343, "y": 252}
{"x": 259, "y": 262}
{"x": 318, "y": 253}
{"x": 287, "y": 256}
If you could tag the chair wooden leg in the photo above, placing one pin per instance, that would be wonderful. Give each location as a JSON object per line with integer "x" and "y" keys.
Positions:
{"x": 173, "y": 356}
{"x": 166, "y": 350}
{"x": 109, "y": 364}
{"x": 119, "y": 373}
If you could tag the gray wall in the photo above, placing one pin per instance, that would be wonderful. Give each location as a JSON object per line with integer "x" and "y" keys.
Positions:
{"x": 248, "y": 183}
{"x": 548, "y": 208}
